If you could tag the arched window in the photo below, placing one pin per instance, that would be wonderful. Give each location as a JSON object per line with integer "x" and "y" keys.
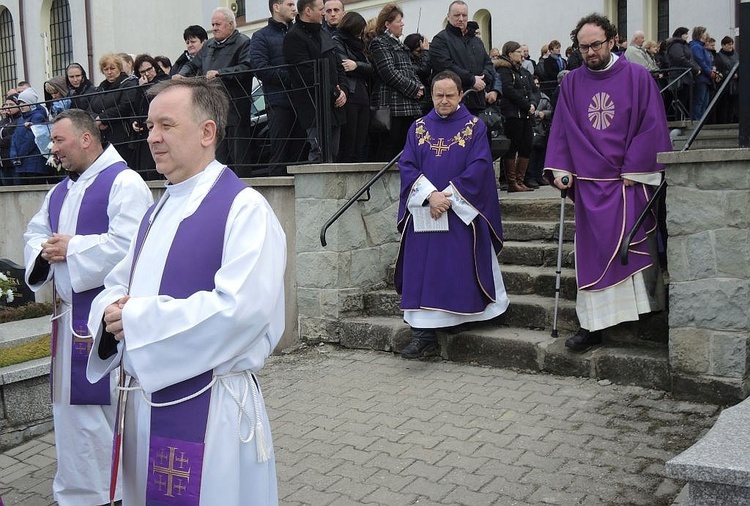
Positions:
{"x": 61, "y": 38}
{"x": 7, "y": 51}
{"x": 662, "y": 20}
{"x": 622, "y": 17}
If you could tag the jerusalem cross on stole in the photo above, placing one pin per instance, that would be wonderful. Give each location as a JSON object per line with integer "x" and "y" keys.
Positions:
{"x": 178, "y": 422}
{"x": 92, "y": 219}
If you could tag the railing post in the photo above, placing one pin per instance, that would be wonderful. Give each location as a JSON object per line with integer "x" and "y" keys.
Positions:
{"x": 744, "y": 52}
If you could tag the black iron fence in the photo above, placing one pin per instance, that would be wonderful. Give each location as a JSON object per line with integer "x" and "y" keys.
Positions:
{"x": 250, "y": 147}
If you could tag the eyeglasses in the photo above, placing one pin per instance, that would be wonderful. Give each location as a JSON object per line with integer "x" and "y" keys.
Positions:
{"x": 147, "y": 71}
{"x": 596, "y": 46}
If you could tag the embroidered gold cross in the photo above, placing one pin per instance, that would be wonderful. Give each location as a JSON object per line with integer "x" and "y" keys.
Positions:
{"x": 82, "y": 345}
{"x": 174, "y": 475}
{"x": 440, "y": 147}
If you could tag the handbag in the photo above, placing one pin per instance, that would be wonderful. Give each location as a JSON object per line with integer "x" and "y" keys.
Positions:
{"x": 380, "y": 119}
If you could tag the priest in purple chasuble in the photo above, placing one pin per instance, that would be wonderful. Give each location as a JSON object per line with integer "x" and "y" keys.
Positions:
{"x": 190, "y": 315}
{"x": 83, "y": 228}
{"x": 609, "y": 125}
{"x": 449, "y": 217}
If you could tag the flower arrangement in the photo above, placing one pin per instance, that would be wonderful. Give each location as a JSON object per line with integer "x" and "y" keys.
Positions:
{"x": 7, "y": 288}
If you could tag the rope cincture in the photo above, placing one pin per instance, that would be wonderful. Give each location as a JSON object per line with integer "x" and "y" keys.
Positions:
{"x": 256, "y": 429}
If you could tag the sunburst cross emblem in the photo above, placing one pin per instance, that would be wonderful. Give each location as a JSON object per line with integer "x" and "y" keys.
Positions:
{"x": 601, "y": 111}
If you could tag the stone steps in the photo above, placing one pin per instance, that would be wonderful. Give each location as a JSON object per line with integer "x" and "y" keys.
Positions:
{"x": 496, "y": 345}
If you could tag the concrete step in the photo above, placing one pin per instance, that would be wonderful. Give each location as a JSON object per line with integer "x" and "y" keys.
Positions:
{"x": 523, "y": 279}
{"x": 23, "y": 331}
{"x": 537, "y": 230}
{"x": 542, "y": 209}
{"x": 493, "y": 344}
{"x": 722, "y": 142}
{"x": 535, "y": 253}
{"x": 533, "y": 311}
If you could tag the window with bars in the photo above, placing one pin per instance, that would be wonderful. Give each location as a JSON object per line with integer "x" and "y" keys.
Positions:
{"x": 662, "y": 20}
{"x": 61, "y": 39}
{"x": 7, "y": 51}
{"x": 622, "y": 18}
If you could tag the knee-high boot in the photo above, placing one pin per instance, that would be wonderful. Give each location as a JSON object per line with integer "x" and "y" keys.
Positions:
{"x": 521, "y": 165}
{"x": 511, "y": 174}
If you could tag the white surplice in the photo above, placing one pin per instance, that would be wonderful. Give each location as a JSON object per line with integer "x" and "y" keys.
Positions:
{"x": 230, "y": 329}
{"x": 83, "y": 433}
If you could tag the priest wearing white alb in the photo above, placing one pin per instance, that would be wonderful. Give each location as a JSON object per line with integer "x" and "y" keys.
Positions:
{"x": 191, "y": 313}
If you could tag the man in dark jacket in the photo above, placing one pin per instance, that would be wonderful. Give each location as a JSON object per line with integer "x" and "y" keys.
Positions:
{"x": 227, "y": 56}
{"x": 266, "y": 50}
{"x": 307, "y": 41}
{"x": 458, "y": 49}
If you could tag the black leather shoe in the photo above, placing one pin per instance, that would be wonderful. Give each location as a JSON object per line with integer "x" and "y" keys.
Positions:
{"x": 583, "y": 340}
{"x": 531, "y": 184}
{"x": 418, "y": 348}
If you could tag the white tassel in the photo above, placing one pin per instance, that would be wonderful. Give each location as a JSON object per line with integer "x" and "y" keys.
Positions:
{"x": 261, "y": 443}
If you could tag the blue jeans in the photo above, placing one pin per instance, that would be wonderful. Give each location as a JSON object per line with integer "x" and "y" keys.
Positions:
{"x": 700, "y": 100}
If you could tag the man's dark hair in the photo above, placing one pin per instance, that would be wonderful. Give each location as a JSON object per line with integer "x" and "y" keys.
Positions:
{"x": 447, "y": 74}
{"x": 208, "y": 100}
{"x": 271, "y": 3}
{"x": 603, "y": 22}
{"x": 727, "y": 40}
{"x": 82, "y": 122}
{"x": 352, "y": 24}
{"x": 304, "y": 4}
{"x": 163, "y": 60}
{"x": 195, "y": 31}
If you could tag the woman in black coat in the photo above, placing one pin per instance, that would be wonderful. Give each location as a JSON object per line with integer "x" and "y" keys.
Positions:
{"x": 148, "y": 72}
{"x": 114, "y": 108}
{"x": 350, "y": 47}
{"x": 517, "y": 106}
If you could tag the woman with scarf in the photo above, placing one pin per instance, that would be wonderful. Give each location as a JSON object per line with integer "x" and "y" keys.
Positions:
{"x": 78, "y": 87}
{"x": 349, "y": 45}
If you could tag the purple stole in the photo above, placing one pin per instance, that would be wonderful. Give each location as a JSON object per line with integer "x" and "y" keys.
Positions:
{"x": 92, "y": 219}
{"x": 175, "y": 460}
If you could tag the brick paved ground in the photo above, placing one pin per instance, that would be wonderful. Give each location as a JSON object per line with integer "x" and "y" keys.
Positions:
{"x": 358, "y": 427}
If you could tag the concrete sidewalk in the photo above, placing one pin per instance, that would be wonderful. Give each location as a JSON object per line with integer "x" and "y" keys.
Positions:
{"x": 357, "y": 427}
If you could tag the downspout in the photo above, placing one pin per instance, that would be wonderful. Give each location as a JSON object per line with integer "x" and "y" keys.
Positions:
{"x": 23, "y": 39}
{"x": 89, "y": 44}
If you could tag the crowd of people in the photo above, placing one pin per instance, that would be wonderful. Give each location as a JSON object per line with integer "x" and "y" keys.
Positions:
{"x": 378, "y": 79}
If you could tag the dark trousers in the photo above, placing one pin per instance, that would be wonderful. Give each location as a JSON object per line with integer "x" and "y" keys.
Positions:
{"x": 521, "y": 136}
{"x": 389, "y": 144}
{"x": 287, "y": 139}
{"x": 353, "y": 142}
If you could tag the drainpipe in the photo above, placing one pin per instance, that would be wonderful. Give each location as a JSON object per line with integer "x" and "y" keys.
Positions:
{"x": 89, "y": 43}
{"x": 744, "y": 52}
{"x": 23, "y": 39}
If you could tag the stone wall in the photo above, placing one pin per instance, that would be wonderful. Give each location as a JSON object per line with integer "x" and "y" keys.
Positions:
{"x": 361, "y": 245}
{"x": 708, "y": 218}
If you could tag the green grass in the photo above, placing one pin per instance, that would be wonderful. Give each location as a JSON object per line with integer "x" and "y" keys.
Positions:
{"x": 32, "y": 350}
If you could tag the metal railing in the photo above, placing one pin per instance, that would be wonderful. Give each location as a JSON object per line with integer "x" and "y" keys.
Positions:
{"x": 247, "y": 145}
{"x": 349, "y": 203}
{"x": 661, "y": 189}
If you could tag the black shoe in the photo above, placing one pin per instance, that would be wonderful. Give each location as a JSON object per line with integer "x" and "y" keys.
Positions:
{"x": 542, "y": 182}
{"x": 418, "y": 348}
{"x": 531, "y": 184}
{"x": 583, "y": 340}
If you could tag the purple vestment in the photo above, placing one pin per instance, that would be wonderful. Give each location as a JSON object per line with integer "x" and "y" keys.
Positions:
{"x": 449, "y": 271}
{"x": 607, "y": 124}
{"x": 92, "y": 219}
{"x": 178, "y": 431}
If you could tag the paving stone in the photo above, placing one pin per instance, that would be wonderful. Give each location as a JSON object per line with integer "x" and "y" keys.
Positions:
{"x": 485, "y": 436}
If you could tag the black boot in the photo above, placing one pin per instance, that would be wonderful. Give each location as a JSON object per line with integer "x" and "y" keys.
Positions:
{"x": 423, "y": 344}
{"x": 583, "y": 340}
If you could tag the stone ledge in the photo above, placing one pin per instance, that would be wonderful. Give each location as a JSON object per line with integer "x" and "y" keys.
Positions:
{"x": 23, "y": 331}
{"x": 717, "y": 467}
{"x": 705, "y": 155}
{"x": 27, "y": 370}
